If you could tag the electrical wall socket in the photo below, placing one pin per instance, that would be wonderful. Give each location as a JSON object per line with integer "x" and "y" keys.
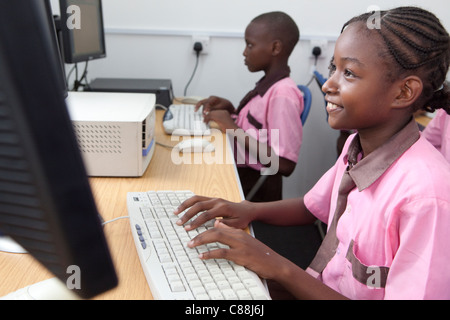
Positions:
{"x": 204, "y": 40}
{"x": 322, "y": 44}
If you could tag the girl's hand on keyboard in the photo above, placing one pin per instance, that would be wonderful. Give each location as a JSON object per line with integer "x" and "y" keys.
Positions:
{"x": 237, "y": 215}
{"x": 243, "y": 250}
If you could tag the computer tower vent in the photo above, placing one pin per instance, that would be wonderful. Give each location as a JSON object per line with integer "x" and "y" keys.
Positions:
{"x": 99, "y": 138}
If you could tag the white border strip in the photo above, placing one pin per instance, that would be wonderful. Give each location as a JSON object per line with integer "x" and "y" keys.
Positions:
{"x": 190, "y": 33}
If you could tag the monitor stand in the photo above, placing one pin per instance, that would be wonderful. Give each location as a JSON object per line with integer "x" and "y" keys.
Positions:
{"x": 9, "y": 245}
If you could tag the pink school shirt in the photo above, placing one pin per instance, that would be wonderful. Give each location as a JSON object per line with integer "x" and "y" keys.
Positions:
{"x": 280, "y": 108}
{"x": 438, "y": 133}
{"x": 396, "y": 223}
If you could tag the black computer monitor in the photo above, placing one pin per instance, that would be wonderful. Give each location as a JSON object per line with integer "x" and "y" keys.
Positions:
{"x": 54, "y": 34}
{"x": 46, "y": 204}
{"x": 82, "y": 29}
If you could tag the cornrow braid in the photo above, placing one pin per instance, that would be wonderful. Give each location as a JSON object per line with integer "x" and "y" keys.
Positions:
{"x": 417, "y": 42}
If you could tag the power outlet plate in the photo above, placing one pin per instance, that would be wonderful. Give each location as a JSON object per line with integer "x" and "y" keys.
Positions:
{"x": 204, "y": 40}
{"x": 322, "y": 44}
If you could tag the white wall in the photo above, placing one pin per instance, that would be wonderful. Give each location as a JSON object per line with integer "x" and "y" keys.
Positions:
{"x": 152, "y": 39}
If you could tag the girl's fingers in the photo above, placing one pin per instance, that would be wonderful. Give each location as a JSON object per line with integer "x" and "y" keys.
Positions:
{"x": 209, "y": 209}
{"x": 195, "y": 205}
{"x": 223, "y": 234}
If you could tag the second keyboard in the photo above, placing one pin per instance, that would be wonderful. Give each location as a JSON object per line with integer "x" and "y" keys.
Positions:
{"x": 183, "y": 120}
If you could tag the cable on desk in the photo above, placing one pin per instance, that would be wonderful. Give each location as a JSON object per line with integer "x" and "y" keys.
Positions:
{"x": 115, "y": 219}
{"x": 160, "y": 106}
{"x": 164, "y": 145}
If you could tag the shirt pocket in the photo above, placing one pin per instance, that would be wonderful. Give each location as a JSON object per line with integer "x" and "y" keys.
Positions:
{"x": 252, "y": 120}
{"x": 372, "y": 276}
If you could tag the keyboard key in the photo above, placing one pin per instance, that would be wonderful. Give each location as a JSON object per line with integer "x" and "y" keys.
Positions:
{"x": 229, "y": 294}
{"x": 177, "y": 286}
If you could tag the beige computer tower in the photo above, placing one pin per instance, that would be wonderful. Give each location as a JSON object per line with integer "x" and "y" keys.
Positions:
{"x": 115, "y": 131}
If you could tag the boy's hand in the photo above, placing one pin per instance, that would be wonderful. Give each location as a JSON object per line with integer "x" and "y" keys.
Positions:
{"x": 214, "y": 103}
{"x": 222, "y": 118}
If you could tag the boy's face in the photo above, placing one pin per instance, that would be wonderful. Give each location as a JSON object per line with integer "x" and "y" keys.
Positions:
{"x": 358, "y": 93}
{"x": 258, "y": 49}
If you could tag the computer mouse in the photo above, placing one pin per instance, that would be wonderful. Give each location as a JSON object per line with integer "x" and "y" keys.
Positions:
{"x": 195, "y": 145}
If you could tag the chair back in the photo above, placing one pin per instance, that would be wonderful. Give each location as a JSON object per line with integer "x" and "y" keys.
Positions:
{"x": 307, "y": 99}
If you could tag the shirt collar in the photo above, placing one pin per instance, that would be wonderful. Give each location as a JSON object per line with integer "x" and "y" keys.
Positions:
{"x": 263, "y": 85}
{"x": 266, "y": 82}
{"x": 367, "y": 170}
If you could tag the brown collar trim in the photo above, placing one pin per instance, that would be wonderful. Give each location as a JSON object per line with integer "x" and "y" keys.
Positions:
{"x": 370, "y": 168}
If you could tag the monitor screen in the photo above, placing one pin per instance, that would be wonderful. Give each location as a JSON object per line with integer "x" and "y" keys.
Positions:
{"x": 46, "y": 204}
{"x": 83, "y": 32}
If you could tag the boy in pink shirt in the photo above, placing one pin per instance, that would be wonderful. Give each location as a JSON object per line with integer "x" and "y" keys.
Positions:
{"x": 270, "y": 113}
{"x": 386, "y": 199}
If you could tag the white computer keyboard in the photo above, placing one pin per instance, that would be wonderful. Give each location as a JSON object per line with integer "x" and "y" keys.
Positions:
{"x": 173, "y": 270}
{"x": 183, "y": 120}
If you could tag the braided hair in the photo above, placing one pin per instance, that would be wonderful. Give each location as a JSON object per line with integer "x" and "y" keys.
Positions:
{"x": 416, "y": 42}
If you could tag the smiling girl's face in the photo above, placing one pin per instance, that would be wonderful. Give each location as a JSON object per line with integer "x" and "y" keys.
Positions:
{"x": 358, "y": 91}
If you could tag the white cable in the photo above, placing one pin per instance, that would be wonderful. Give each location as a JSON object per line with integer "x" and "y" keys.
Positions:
{"x": 112, "y": 220}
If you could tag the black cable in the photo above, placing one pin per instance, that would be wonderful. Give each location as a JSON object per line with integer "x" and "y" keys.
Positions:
{"x": 316, "y": 52}
{"x": 192, "y": 76}
{"x": 78, "y": 83}
{"x": 198, "y": 48}
{"x": 310, "y": 80}
{"x": 84, "y": 76}
{"x": 75, "y": 85}
{"x": 70, "y": 73}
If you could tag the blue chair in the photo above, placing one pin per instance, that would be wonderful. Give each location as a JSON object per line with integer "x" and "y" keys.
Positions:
{"x": 307, "y": 99}
{"x": 320, "y": 79}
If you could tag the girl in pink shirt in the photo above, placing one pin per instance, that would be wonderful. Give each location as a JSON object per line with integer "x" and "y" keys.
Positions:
{"x": 438, "y": 133}
{"x": 386, "y": 200}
